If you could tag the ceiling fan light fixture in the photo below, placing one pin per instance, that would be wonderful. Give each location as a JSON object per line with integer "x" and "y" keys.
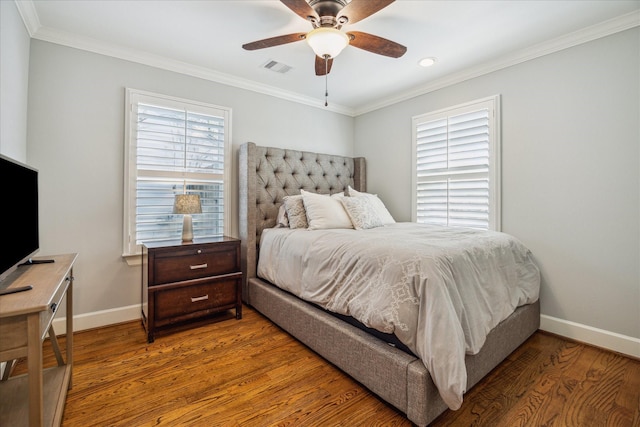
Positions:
{"x": 327, "y": 42}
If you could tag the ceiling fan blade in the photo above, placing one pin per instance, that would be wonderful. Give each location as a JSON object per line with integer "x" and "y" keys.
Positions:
{"x": 357, "y": 10}
{"x": 321, "y": 68}
{"x": 376, "y": 44}
{"x": 274, "y": 41}
{"x": 301, "y": 8}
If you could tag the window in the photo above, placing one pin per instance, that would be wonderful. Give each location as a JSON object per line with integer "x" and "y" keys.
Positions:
{"x": 174, "y": 146}
{"x": 456, "y": 166}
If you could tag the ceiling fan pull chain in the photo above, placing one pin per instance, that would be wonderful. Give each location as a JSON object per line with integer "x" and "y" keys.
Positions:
{"x": 326, "y": 80}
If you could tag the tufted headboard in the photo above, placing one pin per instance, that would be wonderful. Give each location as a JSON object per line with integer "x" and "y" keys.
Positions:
{"x": 268, "y": 174}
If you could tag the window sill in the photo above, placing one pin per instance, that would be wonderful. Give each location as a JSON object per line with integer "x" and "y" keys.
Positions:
{"x": 133, "y": 260}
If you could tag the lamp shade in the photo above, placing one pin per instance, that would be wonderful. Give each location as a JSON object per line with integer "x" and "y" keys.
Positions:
{"x": 187, "y": 204}
{"x": 326, "y": 41}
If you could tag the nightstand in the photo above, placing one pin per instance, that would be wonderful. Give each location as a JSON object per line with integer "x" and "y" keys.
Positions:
{"x": 187, "y": 281}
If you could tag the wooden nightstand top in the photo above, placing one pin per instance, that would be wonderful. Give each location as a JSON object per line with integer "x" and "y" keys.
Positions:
{"x": 196, "y": 241}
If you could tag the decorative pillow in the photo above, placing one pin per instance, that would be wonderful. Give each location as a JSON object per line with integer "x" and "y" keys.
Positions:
{"x": 325, "y": 211}
{"x": 295, "y": 211}
{"x": 353, "y": 193}
{"x": 362, "y": 212}
{"x": 282, "y": 220}
{"x": 376, "y": 205}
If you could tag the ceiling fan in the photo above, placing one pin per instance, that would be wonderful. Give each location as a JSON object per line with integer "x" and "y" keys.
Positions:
{"x": 326, "y": 39}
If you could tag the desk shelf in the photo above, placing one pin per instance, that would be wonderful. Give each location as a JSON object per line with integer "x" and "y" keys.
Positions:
{"x": 14, "y": 408}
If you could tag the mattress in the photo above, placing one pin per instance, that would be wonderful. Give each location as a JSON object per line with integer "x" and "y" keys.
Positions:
{"x": 439, "y": 290}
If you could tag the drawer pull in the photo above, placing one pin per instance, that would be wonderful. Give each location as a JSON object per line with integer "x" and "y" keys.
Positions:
{"x": 199, "y": 266}
{"x": 202, "y": 298}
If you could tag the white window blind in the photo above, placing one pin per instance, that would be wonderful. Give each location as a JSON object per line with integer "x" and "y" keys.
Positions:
{"x": 174, "y": 146}
{"x": 456, "y": 166}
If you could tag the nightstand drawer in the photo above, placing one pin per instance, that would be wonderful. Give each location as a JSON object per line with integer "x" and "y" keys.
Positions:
{"x": 182, "y": 301}
{"x": 186, "y": 264}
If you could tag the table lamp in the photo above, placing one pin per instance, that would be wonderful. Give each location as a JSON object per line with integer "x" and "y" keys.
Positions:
{"x": 187, "y": 204}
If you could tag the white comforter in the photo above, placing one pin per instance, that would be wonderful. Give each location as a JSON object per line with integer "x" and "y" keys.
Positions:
{"x": 440, "y": 290}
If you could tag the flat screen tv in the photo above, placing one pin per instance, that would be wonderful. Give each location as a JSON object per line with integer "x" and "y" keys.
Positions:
{"x": 18, "y": 215}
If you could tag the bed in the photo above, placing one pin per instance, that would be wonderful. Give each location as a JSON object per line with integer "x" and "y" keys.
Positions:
{"x": 267, "y": 176}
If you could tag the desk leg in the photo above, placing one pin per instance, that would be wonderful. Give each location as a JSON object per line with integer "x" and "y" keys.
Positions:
{"x": 56, "y": 347}
{"x": 8, "y": 369}
{"x": 70, "y": 328}
{"x": 34, "y": 366}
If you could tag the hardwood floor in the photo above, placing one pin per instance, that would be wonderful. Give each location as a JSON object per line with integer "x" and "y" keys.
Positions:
{"x": 251, "y": 373}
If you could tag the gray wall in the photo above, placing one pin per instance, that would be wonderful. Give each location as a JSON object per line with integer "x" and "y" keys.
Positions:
{"x": 14, "y": 79}
{"x": 76, "y": 140}
{"x": 571, "y": 161}
{"x": 570, "y": 171}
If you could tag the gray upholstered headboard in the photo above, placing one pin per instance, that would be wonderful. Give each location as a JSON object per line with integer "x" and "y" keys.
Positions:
{"x": 269, "y": 174}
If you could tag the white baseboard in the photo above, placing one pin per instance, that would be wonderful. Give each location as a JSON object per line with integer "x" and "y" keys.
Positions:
{"x": 98, "y": 319}
{"x": 576, "y": 331}
{"x": 590, "y": 335}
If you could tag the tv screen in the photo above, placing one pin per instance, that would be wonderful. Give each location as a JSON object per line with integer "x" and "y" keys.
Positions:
{"x": 18, "y": 215}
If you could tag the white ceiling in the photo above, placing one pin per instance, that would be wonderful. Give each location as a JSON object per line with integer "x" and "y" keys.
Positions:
{"x": 204, "y": 38}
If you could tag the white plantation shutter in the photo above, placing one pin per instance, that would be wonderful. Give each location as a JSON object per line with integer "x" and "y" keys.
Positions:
{"x": 456, "y": 166}
{"x": 174, "y": 147}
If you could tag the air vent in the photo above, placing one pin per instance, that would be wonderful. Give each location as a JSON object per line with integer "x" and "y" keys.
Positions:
{"x": 276, "y": 66}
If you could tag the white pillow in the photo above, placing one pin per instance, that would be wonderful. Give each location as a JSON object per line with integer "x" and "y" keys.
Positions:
{"x": 376, "y": 204}
{"x": 353, "y": 193}
{"x": 324, "y": 211}
{"x": 361, "y": 212}
{"x": 295, "y": 211}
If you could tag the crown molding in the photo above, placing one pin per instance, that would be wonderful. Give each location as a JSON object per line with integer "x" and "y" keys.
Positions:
{"x": 27, "y": 11}
{"x": 38, "y": 32}
{"x": 29, "y": 15}
{"x": 603, "y": 29}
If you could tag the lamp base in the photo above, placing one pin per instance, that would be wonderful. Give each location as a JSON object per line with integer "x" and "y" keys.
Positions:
{"x": 187, "y": 228}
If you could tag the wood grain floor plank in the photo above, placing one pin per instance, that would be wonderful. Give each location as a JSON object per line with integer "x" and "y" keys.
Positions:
{"x": 250, "y": 373}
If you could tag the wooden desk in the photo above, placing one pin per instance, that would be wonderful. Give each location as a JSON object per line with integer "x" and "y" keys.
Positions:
{"x": 37, "y": 398}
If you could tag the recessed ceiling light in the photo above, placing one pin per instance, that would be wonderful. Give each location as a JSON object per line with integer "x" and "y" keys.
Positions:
{"x": 427, "y": 62}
